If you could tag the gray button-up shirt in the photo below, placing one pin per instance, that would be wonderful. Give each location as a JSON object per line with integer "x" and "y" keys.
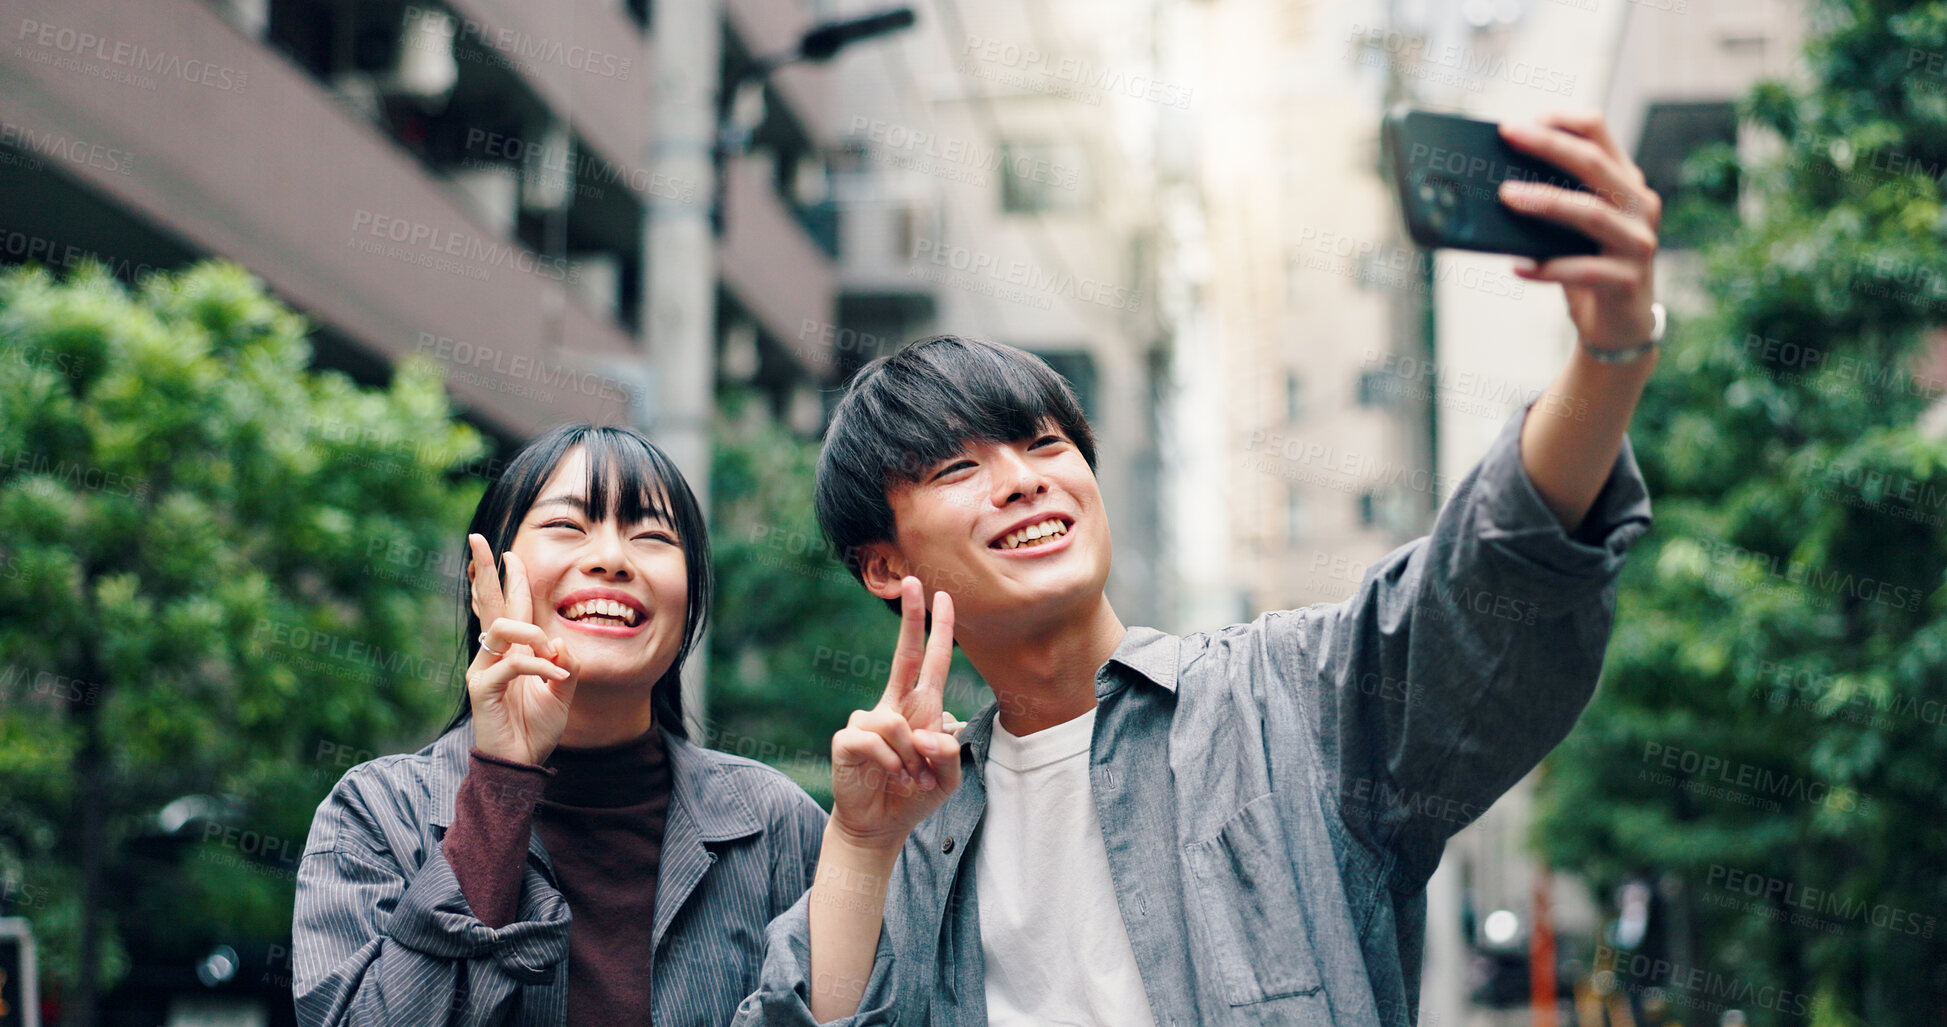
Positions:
{"x": 382, "y": 934}
{"x": 1275, "y": 795}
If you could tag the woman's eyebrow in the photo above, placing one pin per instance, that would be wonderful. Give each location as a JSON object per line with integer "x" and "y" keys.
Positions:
{"x": 652, "y": 512}
{"x": 571, "y": 501}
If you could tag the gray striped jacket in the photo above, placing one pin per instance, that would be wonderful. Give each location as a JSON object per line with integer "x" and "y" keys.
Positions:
{"x": 383, "y": 935}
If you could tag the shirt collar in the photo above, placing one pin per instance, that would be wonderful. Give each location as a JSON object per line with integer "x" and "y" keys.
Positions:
{"x": 713, "y": 798}
{"x": 449, "y": 755}
{"x": 1150, "y": 653}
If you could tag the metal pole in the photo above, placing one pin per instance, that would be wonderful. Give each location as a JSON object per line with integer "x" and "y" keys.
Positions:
{"x": 681, "y": 266}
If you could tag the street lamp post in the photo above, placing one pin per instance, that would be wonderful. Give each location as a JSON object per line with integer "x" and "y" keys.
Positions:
{"x": 693, "y": 141}
{"x": 820, "y": 44}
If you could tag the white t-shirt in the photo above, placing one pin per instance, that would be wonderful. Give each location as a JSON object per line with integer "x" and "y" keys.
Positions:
{"x": 1056, "y": 948}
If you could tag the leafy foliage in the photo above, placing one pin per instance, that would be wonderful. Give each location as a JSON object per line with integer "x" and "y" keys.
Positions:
{"x": 1781, "y": 628}
{"x": 201, "y": 595}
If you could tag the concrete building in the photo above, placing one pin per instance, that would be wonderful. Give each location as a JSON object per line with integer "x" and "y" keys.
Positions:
{"x": 472, "y": 181}
{"x": 997, "y": 178}
{"x": 1313, "y": 298}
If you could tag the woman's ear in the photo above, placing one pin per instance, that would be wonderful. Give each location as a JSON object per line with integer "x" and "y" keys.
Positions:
{"x": 881, "y": 569}
{"x": 473, "y": 597}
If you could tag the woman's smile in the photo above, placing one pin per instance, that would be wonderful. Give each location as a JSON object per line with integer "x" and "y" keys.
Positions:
{"x": 604, "y": 611}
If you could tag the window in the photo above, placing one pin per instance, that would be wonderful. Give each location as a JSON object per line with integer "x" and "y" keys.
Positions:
{"x": 1079, "y": 369}
{"x": 1294, "y": 397}
{"x": 1294, "y": 516}
{"x": 1038, "y": 176}
{"x": 1672, "y": 133}
{"x": 1375, "y": 388}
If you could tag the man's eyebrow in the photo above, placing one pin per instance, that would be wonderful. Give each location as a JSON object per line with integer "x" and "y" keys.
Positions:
{"x": 946, "y": 463}
{"x": 1047, "y": 427}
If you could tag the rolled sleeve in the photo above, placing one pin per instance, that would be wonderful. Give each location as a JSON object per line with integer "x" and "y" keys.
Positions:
{"x": 1465, "y": 655}
{"x": 783, "y": 995}
{"x": 1525, "y": 541}
{"x": 434, "y": 918}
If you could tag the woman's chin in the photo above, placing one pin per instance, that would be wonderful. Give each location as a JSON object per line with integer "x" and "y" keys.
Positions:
{"x": 616, "y": 680}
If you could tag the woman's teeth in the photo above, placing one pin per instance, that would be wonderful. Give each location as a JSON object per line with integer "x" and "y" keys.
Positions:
{"x": 601, "y": 611}
{"x": 1035, "y": 534}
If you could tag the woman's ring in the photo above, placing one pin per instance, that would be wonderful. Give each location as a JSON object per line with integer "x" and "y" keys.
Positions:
{"x": 491, "y": 649}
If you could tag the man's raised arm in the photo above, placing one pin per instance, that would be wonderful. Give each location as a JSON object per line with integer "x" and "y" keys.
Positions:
{"x": 1568, "y": 458}
{"x": 1466, "y": 655}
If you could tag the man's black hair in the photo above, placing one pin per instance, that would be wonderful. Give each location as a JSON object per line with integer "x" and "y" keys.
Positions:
{"x": 628, "y": 477}
{"x": 905, "y": 412}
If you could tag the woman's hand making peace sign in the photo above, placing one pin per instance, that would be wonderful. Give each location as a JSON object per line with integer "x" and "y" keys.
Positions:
{"x": 520, "y": 694}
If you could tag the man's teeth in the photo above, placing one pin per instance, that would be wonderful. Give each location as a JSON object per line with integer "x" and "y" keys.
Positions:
{"x": 601, "y": 611}
{"x": 1033, "y": 534}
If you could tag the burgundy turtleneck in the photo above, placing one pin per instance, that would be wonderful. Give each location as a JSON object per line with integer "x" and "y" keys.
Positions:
{"x": 600, "y": 814}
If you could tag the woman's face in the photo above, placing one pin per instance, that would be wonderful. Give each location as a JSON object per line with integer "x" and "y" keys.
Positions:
{"x": 615, "y": 594}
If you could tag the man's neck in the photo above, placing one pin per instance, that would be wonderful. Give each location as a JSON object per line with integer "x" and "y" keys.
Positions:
{"x": 1043, "y": 673}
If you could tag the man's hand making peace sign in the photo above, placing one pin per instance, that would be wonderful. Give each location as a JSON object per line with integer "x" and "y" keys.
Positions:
{"x": 892, "y": 766}
{"x": 896, "y": 763}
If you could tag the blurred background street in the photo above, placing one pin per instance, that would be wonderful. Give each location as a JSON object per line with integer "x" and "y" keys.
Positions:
{"x": 284, "y": 280}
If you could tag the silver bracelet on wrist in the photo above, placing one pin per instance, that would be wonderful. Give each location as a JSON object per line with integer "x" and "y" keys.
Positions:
{"x": 1631, "y": 354}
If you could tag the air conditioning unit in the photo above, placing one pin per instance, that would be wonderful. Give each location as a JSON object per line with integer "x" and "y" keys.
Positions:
{"x": 421, "y": 67}
{"x": 493, "y": 191}
{"x": 251, "y": 17}
{"x": 426, "y": 69}
{"x": 549, "y": 178}
{"x": 600, "y": 282}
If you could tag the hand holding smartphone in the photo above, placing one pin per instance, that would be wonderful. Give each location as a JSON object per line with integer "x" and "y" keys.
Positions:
{"x": 1447, "y": 171}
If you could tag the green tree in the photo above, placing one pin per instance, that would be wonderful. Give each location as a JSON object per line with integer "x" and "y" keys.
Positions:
{"x": 1768, "y": 741}
{"x": 207, "y": 587}
{"x": 796, "y": 644}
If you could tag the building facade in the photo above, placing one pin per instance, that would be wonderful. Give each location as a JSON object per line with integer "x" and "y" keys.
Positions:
{"x": 1316, "y": 303}
{"x": 997, "y": 178}
{"x": 470, "y": 181}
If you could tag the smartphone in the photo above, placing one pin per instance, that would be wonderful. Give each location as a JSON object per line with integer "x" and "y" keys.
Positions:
{"x": 1447, "y": 171}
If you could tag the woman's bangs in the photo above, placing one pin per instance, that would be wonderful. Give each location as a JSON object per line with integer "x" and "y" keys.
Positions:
{"x": 624, "y": 480}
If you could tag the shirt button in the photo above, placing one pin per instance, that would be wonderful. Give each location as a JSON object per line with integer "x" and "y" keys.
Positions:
{"x": 947, "y": 846}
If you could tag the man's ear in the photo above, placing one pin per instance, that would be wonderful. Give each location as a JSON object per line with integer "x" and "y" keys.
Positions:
{"x": 882, "y": 569}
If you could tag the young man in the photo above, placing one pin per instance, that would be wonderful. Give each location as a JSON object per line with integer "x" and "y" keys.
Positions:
{"x": 1224, "y": 828}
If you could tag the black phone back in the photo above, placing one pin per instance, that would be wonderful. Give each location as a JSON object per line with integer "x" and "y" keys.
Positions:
{"x": 1447, "y": 171}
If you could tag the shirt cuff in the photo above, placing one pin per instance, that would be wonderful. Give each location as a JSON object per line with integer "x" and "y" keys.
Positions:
{"x": 1514, "y": 521}
{"x": 434, "y": 918}
{"x": 783, "y": 994}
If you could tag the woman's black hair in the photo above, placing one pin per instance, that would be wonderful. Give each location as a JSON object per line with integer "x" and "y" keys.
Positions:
{"x": 905, "y": 412}
{"x": 629, "y": 477}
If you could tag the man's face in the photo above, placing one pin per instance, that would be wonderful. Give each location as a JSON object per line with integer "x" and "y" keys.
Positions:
{"x": 1012, "y": 530}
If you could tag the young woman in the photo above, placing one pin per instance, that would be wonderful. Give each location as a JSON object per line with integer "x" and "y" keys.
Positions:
{"x": 561, "y": 853}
